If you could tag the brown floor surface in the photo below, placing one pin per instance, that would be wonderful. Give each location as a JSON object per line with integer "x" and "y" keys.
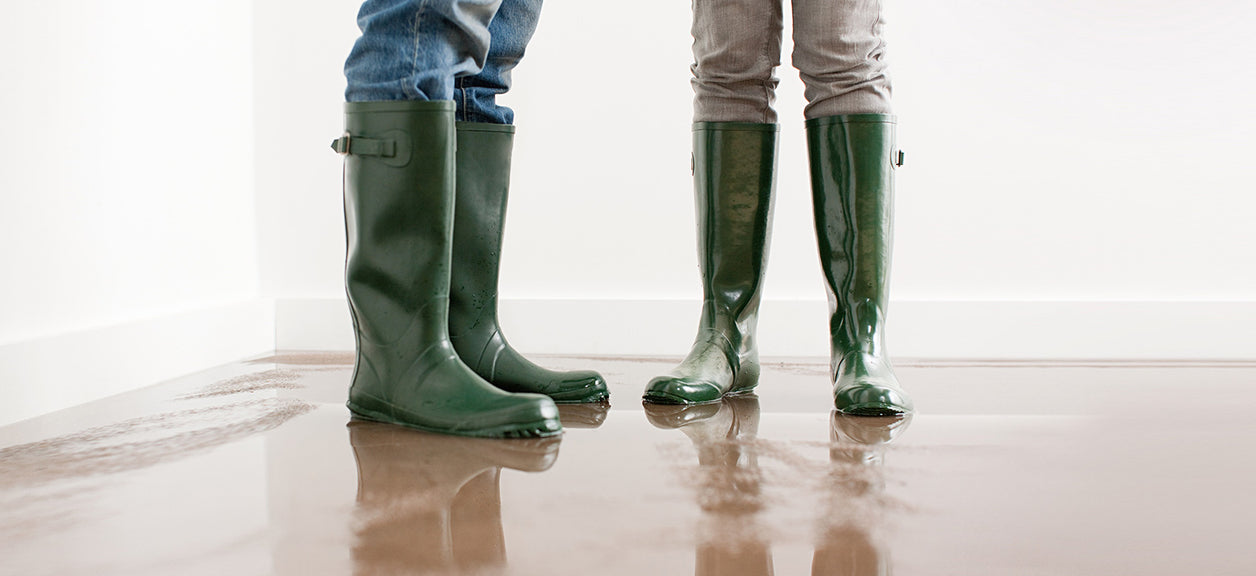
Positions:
{"x": 1009, "y": 468}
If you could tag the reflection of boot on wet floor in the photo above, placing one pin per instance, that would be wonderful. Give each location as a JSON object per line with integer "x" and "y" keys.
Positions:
{"x": 429, "y": 503}
{"x": 723, "y": 433}
{"x": 590, "y": 415}
{"x": 849, "y": 551}
{"x": 855, "y": 508}
{"x": 728, "y": 482}
{"x": 863, "y": 439}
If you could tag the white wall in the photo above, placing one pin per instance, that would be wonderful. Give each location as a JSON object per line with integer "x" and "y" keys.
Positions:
{"x": 1057, "y": 152}
{"x": 1077, "y": 150}
{"x": 1079, "y": 183}
{"x": 127, "y": 235}
{"x": 299, "y": 52}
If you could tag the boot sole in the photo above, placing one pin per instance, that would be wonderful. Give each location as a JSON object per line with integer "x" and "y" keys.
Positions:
{"x": 538, "y": 429}
{"x": 873, "y": 410}
{"x": 677, "y": 400}
{"x": 600, "y": 397}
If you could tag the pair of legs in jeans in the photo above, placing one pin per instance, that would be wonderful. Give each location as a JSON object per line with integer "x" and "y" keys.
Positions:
{"x": 433, "y": 50}
{"x": 427, "y": 170}
{"x": 464, "y": 50}
{"x": 430, "y": 354}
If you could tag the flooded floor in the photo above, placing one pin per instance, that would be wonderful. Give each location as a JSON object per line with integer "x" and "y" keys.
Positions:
{"x": 256, "y": 468}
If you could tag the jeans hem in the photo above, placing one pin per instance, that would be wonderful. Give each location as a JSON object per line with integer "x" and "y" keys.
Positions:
{"x": 400, "y": 106}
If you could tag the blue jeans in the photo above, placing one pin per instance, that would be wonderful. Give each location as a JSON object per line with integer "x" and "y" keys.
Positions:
{"x": 460, "y": 50}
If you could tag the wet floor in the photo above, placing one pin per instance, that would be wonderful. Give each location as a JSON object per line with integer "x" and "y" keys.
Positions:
{"x": 256, "y": 468}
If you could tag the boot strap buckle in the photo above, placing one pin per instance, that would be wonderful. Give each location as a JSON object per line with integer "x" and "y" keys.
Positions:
{"x": 341, "y": 144}
{"x": 347, "y": 144}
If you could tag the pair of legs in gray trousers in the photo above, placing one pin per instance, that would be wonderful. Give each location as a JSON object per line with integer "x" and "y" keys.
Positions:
{"x": 838, "y": 51}
{"x": 840, "y": 54}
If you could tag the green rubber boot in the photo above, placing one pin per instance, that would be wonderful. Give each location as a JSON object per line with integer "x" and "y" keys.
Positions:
{"x": 483, "y": 182}
{"x": 399, "y": 191}
{"x": 733, "y": 182}
{"x": 852, "y": 190}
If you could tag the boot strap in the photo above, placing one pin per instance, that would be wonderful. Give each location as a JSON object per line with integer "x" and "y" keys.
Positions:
{"x": 364, "y": 146}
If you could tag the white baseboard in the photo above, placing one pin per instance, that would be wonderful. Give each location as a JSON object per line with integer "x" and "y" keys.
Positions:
{"x": 41, "y": 376}
{"x": 927, "y": 330}
{"x": 48, "y": 374}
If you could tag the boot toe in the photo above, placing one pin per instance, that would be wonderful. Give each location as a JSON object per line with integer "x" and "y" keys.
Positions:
{"x": 580, "y": 387}
{"x": 514, "y": 416}
{"x": 872, "y": 399}
{"x": 677, "y": 390}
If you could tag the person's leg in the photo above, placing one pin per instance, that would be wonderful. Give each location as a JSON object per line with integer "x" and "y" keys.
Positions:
{"x": 414, "y": 49}
{"x": 853, "y": 160}
{"x": 733, "y": 179}
{"x": 485, "y": 146}
{"x": 840, "y": 54}
{"x": 511, "y": 30}
{"x": 399, "y": 146}
{"x": 483, "y": 184}
{"x": 399, "y": 208}
{"x": 839, "y": 51}
{"x": 736, "y": 48}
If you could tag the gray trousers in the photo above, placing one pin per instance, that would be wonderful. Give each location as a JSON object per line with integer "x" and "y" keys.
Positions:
{"x": 838, "y": 50}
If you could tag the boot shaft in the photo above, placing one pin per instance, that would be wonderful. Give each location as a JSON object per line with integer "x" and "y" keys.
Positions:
{"x": 734, "y": 180}
{"x": 399, "y": 177}
{"x": 853, "y": 161}
{"x": 482, "y": 192}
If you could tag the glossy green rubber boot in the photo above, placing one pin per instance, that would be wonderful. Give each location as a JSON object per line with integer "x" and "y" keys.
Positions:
{"x": 733, "y": 181}
{"x": 483, "y": 182}
{"x": 399, "y": 192}
{"x": 852, "y": 190}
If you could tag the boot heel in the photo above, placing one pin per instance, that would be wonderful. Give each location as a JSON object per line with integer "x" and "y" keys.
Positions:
{"x": 747, "y": 378}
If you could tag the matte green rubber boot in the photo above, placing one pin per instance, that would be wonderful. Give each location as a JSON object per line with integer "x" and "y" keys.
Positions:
{"x": 483, "y": 182}
{"x": 399, "y": 192}
{"x": 852, "y": 190}
{"x": 733, "y": 181}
